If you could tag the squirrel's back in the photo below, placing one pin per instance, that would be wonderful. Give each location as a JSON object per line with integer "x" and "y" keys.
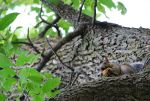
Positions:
{"x": 126, "y": 69}
{"x": 109, "y": 69}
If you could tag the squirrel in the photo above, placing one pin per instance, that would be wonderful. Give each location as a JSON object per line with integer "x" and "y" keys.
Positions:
{"x": 109, "y": 69}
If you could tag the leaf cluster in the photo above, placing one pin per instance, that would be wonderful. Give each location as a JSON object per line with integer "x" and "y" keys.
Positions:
{"x": 16, "y": 77}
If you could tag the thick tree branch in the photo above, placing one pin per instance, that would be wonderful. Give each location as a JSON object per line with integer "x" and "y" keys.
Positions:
{"x": 124, "y": 88}
{"x": 63, "y": 41}
{"x": 67, "y": 12}
{"x": 133, "y": 87}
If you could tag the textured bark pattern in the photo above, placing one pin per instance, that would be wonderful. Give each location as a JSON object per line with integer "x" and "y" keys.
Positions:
{"x": 125, "y": 88}
{"x": 85, "y": 52}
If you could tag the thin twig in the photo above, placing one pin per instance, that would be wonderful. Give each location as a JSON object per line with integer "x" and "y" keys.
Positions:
{"x": 32, "y": 45}
{"x": 58, "y": 56}
{"x": 70, "y": 81}
{"x": 38, "y": 24}
{"x": 20, "y": 42}
{"x": 57, "y": 28}
{"x": 50, "y": 25}
{"x": 77, "y": 75}
{"x": 94, "y": 15}
{"x": 80, "y": 10}
{"x": 40, "y": 15}
{"x": 68, "y": 38}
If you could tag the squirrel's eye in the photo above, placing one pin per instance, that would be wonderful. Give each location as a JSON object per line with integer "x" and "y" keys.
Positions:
{"x": 102, "y": 68}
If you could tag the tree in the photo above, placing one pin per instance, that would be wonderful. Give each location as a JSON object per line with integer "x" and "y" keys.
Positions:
{"x": 80, "y": 52}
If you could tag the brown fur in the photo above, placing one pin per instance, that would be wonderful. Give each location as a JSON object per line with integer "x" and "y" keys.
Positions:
{"x": 113, "y": 69}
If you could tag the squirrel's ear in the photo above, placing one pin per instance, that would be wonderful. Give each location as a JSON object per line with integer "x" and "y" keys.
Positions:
{"x": 106, "y": 60}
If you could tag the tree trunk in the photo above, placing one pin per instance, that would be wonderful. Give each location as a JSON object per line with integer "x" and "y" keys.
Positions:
{"x": 125, "y": 88}
{"x": 85, "y": 54}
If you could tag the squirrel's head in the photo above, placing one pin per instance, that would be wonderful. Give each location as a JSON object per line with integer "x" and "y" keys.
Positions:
{"x": 106, "y": 68}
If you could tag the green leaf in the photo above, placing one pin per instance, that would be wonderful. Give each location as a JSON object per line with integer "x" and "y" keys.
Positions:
{"x": 21, "y": 60}
{"x": 9, "y": 49}
{"x": 88, "y": 10}
{"x": 101, "y": 8}
{"x": 8, "y": 1}
{"x": 88, "y": 5}
{"x": 64, "y": 24}
{"x": 36, "y": 79}
{"x": 7, "y": 72}
{"x": 9, "y": 82}
{"x": 36, "y": 9}
{"x": 53, "y": 94}
{"x": 30, "y": 80}
{"x": 27, "y": 72}
{"x": 47, "y": 75}
{"x": 76, "y": 4}
{"x": 24, "y": 57}
{"x": 7, "y": 20}
{"x": 33, "y": 88}
{"x": 51, "y": 33}
{"x": 4, "y": 61}
{"x": 88, "y": 2}
{"x": 51, "y": 84}
{"x": 36, "y": 1}
{"x": 38, "y": 98}
{"x": 108, "y": 3}
{"x": 2, "y": 97}
{"x": 68, "y": 1}
{"x": 32, "y": 58}
{"x": 122, "y": 8}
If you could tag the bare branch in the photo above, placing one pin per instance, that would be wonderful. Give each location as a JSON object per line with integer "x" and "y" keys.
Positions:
{"x": 94, "y": 15}
{"x": 63, "y": 41}
{"x": 19, "y": 42}
{"x": 75, "y": 79}
{"x": 58, "y": 56}
{"x": 80, "y": 10}
{"x": 40, "y": 15}
{"x": 32, "y": 45}
{"x": 38, "y": 24}
{"x": 49, "y": 26}
{"x": 58, "y": 31}
{"x": 70, "y": 81}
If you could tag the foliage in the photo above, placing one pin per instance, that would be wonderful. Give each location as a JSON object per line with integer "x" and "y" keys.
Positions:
{"x": 7, "y": 20}
{"x": 101, "y": 6}
{"x": 37, "y": 85}
{"x": 16, "y": 74}
{"x": 49, "y": 15}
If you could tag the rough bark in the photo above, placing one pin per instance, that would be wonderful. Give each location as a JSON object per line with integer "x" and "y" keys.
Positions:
{"x": 67, "y": 12}
{"x": 125, "y": 88}
{"x": 85, "y": 53}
